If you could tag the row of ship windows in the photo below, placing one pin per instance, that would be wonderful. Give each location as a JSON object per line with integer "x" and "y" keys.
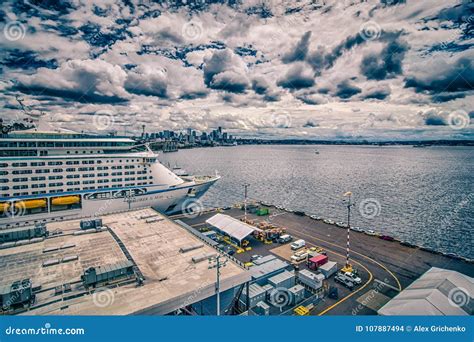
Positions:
{"x": 70, "y": 169}
{"x": 62, "y": 144}
{"x": 43, "y": 185}
{"x": 71, "y": 162}
{"x": 86, "y": 175}
{"x": 71, "y": 189}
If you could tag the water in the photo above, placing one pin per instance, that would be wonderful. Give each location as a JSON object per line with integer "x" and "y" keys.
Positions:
{"x": 420, "y": 195}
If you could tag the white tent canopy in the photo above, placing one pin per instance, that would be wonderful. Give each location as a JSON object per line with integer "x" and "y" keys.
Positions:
{"x": 434, "y": 293}
{"x": 231, "y": 226}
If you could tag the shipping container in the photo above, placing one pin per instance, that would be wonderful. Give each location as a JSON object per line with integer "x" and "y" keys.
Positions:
{"x": 316, "y": 261}
{"x": 262, "y": 309}
{"x": 310, "y": 279}
{"x": 297, "y": 294}
{"x": 328, "y": 269}
{"x": 285, "y": 279}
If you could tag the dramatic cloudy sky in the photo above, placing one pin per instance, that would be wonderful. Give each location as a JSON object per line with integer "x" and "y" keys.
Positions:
{"x": 381, "y": 69}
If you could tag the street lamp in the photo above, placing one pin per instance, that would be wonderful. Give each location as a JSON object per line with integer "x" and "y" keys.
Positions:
{"x": 348, "y": 266}
{"x": 245, "y": 201}
{"x": 215, "y": 262}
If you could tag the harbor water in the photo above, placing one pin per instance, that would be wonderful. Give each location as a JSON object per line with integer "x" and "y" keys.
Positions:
{"x": 420, "y": 195}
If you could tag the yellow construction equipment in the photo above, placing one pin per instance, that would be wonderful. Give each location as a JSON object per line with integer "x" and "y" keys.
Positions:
{"x": 347, "y": 268}
{"x": 301, "y": 311}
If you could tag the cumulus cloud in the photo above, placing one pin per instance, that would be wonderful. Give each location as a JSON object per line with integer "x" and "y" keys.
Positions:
{"x": 298, "y": 76}
{"x": 299, "y": 51}
{"x": 225, "y": 71}
{"x": 311, "y": 98}
{"x": 143, "y": 62}
{"x": 146, "y": 81}
{"x": 377, "y": 92}
{"x": 81, "y": 80}
{"x": 440, "y": 78}
{"x": 386, "y": 64}
{"x": 347, "y": 89}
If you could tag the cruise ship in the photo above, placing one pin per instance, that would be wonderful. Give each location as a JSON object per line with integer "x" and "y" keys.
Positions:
{"x": 50, "y": 175}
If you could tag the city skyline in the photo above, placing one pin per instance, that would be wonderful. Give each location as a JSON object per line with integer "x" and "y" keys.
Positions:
{"x": 335, "y": 70}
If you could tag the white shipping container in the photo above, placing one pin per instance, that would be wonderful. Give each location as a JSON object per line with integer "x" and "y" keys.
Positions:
{"x": 310, "y": 279}
{"x": 328, "y": 269}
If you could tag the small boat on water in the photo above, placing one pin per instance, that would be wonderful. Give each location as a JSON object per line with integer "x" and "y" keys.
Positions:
{"x": 316, "y": 152}
{"x": 180, "y": 172}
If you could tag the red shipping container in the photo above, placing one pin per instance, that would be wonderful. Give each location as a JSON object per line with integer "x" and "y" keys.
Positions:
{"x": 317, "y": 261}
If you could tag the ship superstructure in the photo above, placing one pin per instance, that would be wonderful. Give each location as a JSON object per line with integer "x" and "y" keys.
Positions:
{"x": 51, "y": 175}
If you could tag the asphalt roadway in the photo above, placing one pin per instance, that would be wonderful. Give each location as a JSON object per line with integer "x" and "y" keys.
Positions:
{"x": 386, "y": 261}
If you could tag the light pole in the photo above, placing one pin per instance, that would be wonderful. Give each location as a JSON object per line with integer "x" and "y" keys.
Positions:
{"x": 215, "y": 262}
{"x": 348, "y": 267}
{"x": 245, "y": 201}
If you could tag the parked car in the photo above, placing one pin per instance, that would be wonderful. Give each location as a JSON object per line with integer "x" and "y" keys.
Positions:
{"x": 230, "y": 251}
{"x": 317, "y": 249}
{"x": 298, "y": 244}
{"x": 314, "y": 217}
{"x": 357, "y": 229}
{"x": 387, "y": 238}
{"x": 355, "y": 279}
{"x": 285, "y": 238}
{"x": 256, "y": 257}
{"x": 342, "y": 279}
{"x": 297, "y": 257}
{"x": 370, "y": 232}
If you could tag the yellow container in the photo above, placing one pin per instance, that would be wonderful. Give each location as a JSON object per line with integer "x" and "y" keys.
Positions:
{"x": 66, "y": 200}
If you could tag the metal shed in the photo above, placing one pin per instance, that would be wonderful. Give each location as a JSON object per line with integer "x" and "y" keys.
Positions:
{"x": 256, "y": 294}
{"x": 264, "y": 260}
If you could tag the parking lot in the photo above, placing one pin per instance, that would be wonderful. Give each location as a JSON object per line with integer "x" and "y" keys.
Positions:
{"x": 259, "y": 248}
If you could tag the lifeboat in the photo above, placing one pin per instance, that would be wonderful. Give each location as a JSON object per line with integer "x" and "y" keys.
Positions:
{"x": 30, "y": 204}
{"x": 66, "y": 200}
{"x": 4, "y": 206}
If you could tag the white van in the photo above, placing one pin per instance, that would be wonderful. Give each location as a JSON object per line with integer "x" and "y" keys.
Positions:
{"x": 298, "y": 244}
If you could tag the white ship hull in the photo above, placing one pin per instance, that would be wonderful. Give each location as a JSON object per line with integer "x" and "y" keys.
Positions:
{"x": 168, "y": 201}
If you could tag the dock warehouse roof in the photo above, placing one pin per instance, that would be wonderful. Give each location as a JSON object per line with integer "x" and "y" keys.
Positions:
{"x": 437, "y": 292}
{"x": 231, "y": 226}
